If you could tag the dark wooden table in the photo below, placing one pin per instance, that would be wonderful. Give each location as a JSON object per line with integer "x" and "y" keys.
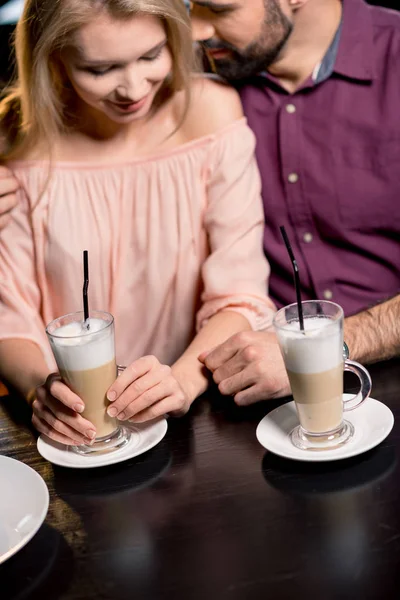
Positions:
{"x": 208, "y": 514}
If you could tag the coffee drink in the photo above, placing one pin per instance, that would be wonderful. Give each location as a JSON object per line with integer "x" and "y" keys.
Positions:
{"x": 91, "y": 385}
{"x": 86, "y": 361}
{"x": 314, "y": 364}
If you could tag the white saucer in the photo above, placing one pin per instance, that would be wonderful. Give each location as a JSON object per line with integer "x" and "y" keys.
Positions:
{"x": 143, "y": 437}
{"x": 24, "y": 500}
{"x": 373, "y": 421}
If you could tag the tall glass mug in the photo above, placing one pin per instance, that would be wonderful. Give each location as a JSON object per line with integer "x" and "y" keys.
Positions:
{"x": 86, "y": 361}
{"x": 315, "y": 363}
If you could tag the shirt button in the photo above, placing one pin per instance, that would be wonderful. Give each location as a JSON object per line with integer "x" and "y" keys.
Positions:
{"x": 308, "y": 237}
{"x": 290, "y": 108}
{"x": 328, "y": 295}
{"x": 293, "y": 178}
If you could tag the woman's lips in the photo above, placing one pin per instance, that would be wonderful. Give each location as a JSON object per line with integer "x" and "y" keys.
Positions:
{"x": 129, "y": 107}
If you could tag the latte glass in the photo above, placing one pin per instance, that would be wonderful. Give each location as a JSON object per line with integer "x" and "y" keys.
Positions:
{"x": 315, "y": 363}
{"x": 86, "y": 362}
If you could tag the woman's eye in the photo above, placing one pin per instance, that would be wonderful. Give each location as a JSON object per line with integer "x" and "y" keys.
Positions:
{"x": 153, "y": 56}
{"x": 98, "y": 72}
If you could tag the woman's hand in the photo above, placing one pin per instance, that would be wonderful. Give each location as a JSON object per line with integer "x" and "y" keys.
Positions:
{"x": 56, "y": 413}
{"x": 146, "y": 390}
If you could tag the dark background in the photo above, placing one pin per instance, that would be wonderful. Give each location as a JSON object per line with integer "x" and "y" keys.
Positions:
{"x": 7, "y": 31}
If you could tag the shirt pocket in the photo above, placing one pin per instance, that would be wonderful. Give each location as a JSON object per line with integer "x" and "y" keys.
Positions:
{"x": 367, "y": 181}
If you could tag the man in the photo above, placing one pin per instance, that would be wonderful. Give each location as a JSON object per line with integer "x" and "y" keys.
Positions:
{"x": 320, "y": 86}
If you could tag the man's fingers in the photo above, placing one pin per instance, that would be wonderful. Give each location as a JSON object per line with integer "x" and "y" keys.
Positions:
{"x": 216, "y": 358}
{"x": 232, "y": 367}
{"x": 253, "y": 394}
{"x": 263, "y": 390}
{"x": 135, "y": 370}
{"x": 202, "y": 357}
{"x": 236, "y": 383}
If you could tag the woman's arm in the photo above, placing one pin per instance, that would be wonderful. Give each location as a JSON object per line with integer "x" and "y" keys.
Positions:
{"x": 188, "y": 370}
{"x": 22, "y": 366}
{"x": 25, "y": 355}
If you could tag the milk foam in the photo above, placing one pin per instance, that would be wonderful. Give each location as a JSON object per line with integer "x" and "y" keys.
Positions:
{"x": 317, "y": 350}
{"x": 76, "y": 348}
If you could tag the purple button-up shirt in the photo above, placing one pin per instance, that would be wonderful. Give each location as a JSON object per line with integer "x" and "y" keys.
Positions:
{"x": 329, "y": 156}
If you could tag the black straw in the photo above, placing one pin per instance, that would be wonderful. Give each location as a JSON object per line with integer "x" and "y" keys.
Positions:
{"x": 85, "y": 287}
{"x": 296, "y": 276}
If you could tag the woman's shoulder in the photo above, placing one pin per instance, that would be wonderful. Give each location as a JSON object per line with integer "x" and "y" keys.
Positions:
{"x": 213, "y": 106}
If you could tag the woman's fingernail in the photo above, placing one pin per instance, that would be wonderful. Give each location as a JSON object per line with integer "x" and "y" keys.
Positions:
{"x": 112, "y": 411}
{"x": 121, "y": 416}
{"x": 91, "y": 434}
{"x": 111, "y": 396}
{"x": 79, "y": 408}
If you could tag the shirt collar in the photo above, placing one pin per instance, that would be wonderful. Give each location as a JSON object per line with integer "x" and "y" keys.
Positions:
{"x": 355, "y": 56}
{"x": 351, "y": 53}
{"x": 326, "y": 67}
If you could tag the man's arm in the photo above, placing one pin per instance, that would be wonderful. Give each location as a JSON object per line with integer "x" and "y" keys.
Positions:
{"x": 8, "y": 198}
{"x": 249, "y": 365}
{"x": 374, "y": 334}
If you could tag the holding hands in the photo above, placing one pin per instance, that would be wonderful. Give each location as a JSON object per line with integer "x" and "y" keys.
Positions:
{"x": 248, "y": 366}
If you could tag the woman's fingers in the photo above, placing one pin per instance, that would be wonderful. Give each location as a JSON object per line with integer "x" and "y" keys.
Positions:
{"x": 44, "y": 427}
{"x": 54, "y": 413}
{"x": 171, "y": 405}
{"x": 163, "y": 390}
{"x": 82, "y": 426}
{"x": 62, "y": 427}
{"x": 139, "y": 389}
{"x": 131, "y": 374}
{"x": 61, "y": 392}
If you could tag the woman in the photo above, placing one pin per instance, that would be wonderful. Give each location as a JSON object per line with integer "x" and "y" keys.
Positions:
{"x": 120, "y": 150}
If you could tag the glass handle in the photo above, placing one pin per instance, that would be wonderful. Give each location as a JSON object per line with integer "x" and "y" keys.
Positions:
{"x": 365, "y": 381}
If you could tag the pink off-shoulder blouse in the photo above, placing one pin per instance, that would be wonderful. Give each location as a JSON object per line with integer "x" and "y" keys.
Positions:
{"x": 172, "y": 240}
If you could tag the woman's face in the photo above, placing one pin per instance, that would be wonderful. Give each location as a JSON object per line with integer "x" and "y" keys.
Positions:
{"x": 117, "y": 66}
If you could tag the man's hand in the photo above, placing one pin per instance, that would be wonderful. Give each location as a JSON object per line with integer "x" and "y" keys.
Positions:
{"x": 248, "y": 366}
{"x": 8, "y": 198}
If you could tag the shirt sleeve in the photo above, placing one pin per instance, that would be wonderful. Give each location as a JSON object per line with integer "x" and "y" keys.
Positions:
{"x": 20, "y": 297}
{"x": 235, "y": 274}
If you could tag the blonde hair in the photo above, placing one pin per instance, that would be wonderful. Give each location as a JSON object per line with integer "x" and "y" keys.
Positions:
{"x": 35, "y": 108}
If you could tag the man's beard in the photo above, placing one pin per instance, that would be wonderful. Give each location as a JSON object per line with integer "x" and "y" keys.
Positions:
{"x": 258, "y": 55}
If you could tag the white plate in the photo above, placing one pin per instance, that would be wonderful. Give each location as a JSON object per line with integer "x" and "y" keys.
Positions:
{"x": 143, "y": 437}
{"x": 373, "y": 421}
{"x": 24, "y": 500}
